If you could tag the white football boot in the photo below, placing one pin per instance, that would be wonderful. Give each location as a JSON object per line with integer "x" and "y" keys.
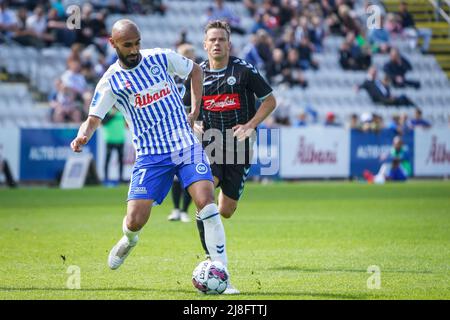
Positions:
{"x": 120, "y": 252}
{"x": 184, "y": 217}
{"x": 175, "y": 215}
{"x": 231, "y": 289}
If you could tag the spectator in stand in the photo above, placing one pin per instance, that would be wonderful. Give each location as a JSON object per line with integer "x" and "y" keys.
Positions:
{"x": 274, "y": 70}
{"x": 24, "y": 35}
{"x": 64, "y": 105}
{"x": 395, "y": 126}
{"x": 418, "y": 121}
{"x": 286, "y": 12}
{"x": 8, "y": 21}
{"x": 354, "y": 122}
{"x": 380, "y": 38}
{"x": 305, "y": 51}
{"x": 377, "y": 123}
{"x": 393, "y": 25}
{"x": 317, "y": 33}
{"x": 153, "y": 6}
{"x": 73, "y": 78}
{"x": 221, "y": 12}
{"x": 396, "y": 68}
{"x": 347, "y": 22}
{"x": 404, "y": 123}
{"x": 259, "y": 24}
{"x": 330, "y": 120}
{"x": 352, "y": 56}
{"x": 292, "y": 71}
{"x": 366, "y": 119}
{"x": 251, "y": 54}
{"x": 85, "y": 35}
{"x": 301, "y": 120}
{"x": 182, "y": 38}
{"x": 287, "y": 41}
{"x": 301, "y": 30}
{"x": 264, "y": 46}
{"x": 251, "y": 6}
{"x": 100, "y": 33}
{"x": 58, "y": 5}
{"x": 410, "y": 30}
{"x": 37, "y": 22}
{"x": 380, "y": 92}
{"x": 57, "y": 27}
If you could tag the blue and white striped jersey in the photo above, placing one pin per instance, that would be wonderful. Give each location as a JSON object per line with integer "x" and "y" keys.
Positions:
{"x": 149, "y": 99}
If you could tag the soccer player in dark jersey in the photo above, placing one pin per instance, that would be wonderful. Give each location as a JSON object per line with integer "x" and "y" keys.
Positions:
{"x": 230, "y": 89}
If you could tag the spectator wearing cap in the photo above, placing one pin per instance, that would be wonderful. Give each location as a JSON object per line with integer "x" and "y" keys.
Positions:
{"x": 330, "y": 120}
{"x": 366, "y": 121}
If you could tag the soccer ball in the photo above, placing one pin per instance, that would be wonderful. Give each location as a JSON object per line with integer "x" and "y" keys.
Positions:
{"x": 210, "y": 277}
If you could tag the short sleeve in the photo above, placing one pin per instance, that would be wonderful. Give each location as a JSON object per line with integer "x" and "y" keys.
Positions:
{"x": 179, "y": 65}
{"x": 103, "y": 100}
{"x": 258, "y": 84}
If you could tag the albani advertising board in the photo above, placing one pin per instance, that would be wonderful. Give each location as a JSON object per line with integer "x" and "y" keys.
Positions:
{"x": 432, "y": 152}
{"x": 315, "y": 152}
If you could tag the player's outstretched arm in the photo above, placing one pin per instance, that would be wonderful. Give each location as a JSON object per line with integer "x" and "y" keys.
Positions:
{"x": 85, "y": 133}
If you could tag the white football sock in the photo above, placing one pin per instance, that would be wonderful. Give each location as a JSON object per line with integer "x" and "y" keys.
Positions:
{"x": 131, "y": 235}
{"x": 214, "y": 233}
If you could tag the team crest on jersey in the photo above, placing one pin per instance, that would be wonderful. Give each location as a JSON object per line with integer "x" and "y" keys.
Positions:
{"x": 231, "y": 80}
{"x": 155, "y": 70}
{"x": 201, "y": 168}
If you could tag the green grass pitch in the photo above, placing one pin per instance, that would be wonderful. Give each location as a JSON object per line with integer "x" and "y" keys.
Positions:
{"x": 286, "y": 241}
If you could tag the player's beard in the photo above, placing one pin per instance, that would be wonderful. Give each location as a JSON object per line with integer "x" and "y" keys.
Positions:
{"x": 124, "y": 59}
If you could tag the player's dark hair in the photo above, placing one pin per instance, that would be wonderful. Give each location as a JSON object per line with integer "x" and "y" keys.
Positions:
{"x": 219, "y": 24}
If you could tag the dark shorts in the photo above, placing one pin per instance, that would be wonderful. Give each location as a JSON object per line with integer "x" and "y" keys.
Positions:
{"x": 231, "y": 178}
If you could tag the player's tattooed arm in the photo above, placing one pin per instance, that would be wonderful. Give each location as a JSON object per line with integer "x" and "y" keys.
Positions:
{"x": 196, "y": 93}
{"x": 85, "y": 133}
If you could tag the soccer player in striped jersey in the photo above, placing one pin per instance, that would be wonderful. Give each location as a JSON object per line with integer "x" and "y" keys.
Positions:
{"x": 229, "y": 107}
{"x": 140, "y": 84}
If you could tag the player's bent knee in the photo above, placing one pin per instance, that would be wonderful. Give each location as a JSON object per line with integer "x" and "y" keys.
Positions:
{"x": 203, "y": 202}
{"x": 227, "y": 212}
{"x": 138, "y": 214}
{"x": 134, "y": 223}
